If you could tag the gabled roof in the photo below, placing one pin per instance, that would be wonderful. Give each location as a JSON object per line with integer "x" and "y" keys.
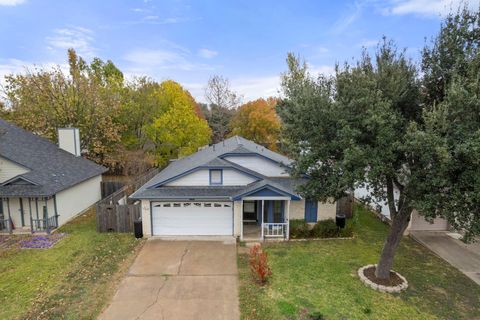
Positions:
{"x": 51, "y": 169}
{"x": 212, "y": 157}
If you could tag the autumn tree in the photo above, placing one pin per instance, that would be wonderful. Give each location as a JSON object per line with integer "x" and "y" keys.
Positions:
{"x": 178, "y": 130}
{"x": 88, "y": 98}
{"x": 222, "y": 104}
{"x": 258, "y": 121}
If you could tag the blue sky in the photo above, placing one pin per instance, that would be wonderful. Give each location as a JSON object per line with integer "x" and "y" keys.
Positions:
{"x": 188, "y": 41}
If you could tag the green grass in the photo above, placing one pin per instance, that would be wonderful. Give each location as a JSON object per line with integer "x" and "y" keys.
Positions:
{"x": 320, "y": 276}
{"x": 72, "y": 280}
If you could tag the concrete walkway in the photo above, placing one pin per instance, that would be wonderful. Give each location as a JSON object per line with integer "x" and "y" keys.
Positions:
{"x": 179, "y": 280}
{"x": 465, "y": 257}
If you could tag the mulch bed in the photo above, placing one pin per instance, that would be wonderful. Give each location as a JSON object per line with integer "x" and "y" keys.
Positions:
{"x": 394, "y": 280}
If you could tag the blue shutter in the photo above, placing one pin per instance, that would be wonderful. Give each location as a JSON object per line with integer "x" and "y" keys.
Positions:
{"x": 311, "y": 211}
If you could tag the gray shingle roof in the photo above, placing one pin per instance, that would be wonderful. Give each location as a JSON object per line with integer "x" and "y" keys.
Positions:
{"x": 51, "y": 168}
{"x": 211, "y": 157}
{"x": 191, "y": 192}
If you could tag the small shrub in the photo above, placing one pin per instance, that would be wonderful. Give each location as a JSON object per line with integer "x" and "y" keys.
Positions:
{"x": 299, "y": 229}
{"x": 325, "y": 229}
{"x": 258, "y": 262}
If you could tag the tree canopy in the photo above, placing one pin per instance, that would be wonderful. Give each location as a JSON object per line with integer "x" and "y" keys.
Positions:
{"x": 373, "y": 123}
{"x": 119, "y": 121}
{"x": 258, "y": 121}
{"x": 89, "y": 98}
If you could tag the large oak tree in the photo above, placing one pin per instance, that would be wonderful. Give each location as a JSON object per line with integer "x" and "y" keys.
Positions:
{"x": 373, "y": 123}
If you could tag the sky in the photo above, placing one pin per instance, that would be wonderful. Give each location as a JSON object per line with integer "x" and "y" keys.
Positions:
{"x": 189, "y": 41}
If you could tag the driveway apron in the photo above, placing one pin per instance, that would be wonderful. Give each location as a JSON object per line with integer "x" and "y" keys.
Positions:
{"x": 179, "y": 280}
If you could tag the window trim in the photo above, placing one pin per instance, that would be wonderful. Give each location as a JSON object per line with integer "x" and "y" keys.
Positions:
{"x": 221, "y": 177}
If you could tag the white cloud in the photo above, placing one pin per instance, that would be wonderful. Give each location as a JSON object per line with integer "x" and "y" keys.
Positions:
{"x": 79, "y": 38}
{"x": 427, "y": 7}
{"x": 175, "y": 58}
{"x": 11, "y": 3}
{"x": 207, "y": 54}
{"x": 346, "y": 20}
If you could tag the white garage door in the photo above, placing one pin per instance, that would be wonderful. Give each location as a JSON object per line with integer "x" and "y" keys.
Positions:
{"x": 419, "y": 223}
{"x": 192, "y": 218}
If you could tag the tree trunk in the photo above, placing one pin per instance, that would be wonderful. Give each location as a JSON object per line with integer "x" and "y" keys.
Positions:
{"x": 399, "y": 224}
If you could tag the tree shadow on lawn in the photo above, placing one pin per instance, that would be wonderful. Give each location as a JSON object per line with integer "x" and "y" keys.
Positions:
{"x": 321, "y": 275}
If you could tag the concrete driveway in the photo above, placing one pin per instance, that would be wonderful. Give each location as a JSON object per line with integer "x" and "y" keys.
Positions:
{"x": 465, "y": 257}
{"x": 179, "y": 280}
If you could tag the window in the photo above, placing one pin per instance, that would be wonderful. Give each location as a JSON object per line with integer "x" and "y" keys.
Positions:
{"x": 216, "y": 177}
{"x": 207, "y": 205}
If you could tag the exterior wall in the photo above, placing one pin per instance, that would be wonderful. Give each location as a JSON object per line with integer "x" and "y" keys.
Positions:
{"x": 297, "y": 209}
{"x": 237, "y": 218}
{"x": 324, "y": 210}
{"x": 146, "y": 218}
{"x": 76, "y": 199}
{"x": 202, "y": 178}
{"x": 9, "y": 169}
{"x": 258, "y": 164}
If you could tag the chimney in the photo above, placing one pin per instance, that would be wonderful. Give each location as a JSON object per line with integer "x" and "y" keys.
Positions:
{"x": 69, "y": 140}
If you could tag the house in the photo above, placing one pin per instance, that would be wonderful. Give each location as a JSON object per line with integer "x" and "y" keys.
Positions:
{"x": 43, "y": 185}
{"x": 417, "y": 221}
{"x": 232, "y": 188}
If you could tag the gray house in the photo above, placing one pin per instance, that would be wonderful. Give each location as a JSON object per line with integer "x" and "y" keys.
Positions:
{"x": 43, "y": 185}
{"x": 232, "y": 188}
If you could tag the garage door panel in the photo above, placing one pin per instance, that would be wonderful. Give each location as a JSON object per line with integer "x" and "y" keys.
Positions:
{"x": 419, "y": 223}
{"x": 199, "y": 218}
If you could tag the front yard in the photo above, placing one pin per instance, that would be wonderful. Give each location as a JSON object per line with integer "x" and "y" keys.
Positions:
{"x": 320, "y": 277}
{"x": 72, "y": 280}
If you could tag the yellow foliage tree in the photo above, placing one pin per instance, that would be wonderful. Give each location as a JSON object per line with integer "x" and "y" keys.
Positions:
{"x": 257, "y": 120}
{"x": 179, "y": 130}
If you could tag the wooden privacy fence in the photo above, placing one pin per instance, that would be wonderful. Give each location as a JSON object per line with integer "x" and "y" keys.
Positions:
{"x": 116, "y": 212}
{"x": 116, "y": 217}
{"x": 109, "y": 187}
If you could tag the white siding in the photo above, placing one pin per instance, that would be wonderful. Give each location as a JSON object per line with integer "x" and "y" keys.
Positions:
{"x": 9, "y": 169}
{"x": 202, "y": 178}
{"x": 258, "y": 164}
{"x": 78, "y": 198}
{"x": 146, "y": 218}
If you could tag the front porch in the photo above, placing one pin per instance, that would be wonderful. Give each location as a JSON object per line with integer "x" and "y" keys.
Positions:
{"x": 20, "y": 215}
{"x": 265, "y": 218}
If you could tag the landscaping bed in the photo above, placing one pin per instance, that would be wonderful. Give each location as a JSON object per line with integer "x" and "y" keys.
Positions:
{"x": 73, "y": 279}
{"x": 318, "y": 280}
{"x": 324, "y": 229}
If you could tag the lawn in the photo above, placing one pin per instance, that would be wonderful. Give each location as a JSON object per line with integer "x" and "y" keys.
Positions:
{"x": 73, "y": 280}
{"x": 320, "y": 276}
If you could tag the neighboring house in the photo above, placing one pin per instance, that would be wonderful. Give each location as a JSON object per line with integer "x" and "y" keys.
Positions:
{"x": 235, "y": 187}
{"x": 417, "y": 222}
{"x": 42, "y": 186}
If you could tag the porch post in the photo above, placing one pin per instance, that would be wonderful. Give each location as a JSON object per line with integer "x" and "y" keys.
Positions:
{"x": 46, "y": 216}
{"x": 38, "y": 219}
{"x": 241, "y": 220}
{"x": 30, "y": 210}
{"x": 9, "y": 224}
{"x": 55, "y": 208}
{"x": 263, "y": 210}
{"x": 22, "y": 211}
{"x": 288, "y": 219}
